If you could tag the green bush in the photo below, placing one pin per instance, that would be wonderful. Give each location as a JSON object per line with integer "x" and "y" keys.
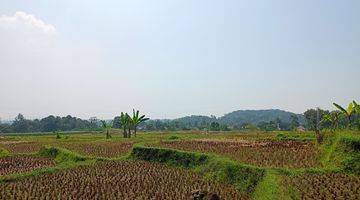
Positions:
{"x": 4, "y": 152}
{"x": 350, "y": 147}
{"x": 173, "y": 137}
{"x": 170, "y": 156}
{"x": 61, "y": 155}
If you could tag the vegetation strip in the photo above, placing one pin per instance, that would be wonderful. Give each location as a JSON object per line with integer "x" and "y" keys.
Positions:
{"x": 269, "y": 187}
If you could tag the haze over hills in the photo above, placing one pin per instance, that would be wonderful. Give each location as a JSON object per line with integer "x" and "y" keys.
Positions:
{"x": 256, "y": 116}
{"x": 240, "y": 117}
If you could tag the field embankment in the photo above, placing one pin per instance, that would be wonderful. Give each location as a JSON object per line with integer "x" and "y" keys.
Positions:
{"x": 245, "y": 178}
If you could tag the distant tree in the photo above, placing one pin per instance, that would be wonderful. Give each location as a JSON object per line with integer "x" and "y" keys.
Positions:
{"x": 268, "y": 126}
{"x": 136, "y": 120}
{"x": 125, "y": 124}
{"x": 106, "y": 127}
{"x": 5, "y": 128}
{"x": 93, "y": 123}
{"x": 224, "y": 127}
{"x": 50, "y": 124}
{"x": 117, "y": 122}
{"x": 214, "y": 126}
{"x": 20, "y": 124}
{"x": 332, "y": 118}
{"x": 311, "y": 118}
{"x": 357, "y": 114}
{"x": 294, "y": 122}
{"x": 348, "y": 112}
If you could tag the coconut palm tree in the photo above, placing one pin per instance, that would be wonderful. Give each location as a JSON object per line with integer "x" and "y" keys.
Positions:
{"x": 125, "y": 124}
{"x": 107, "y": 127}
{"x": 348, "y": 112}
{"x": 136, "y": 120}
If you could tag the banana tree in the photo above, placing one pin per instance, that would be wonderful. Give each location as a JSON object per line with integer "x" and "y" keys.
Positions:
{"x": 136, "y": 120}
{"x": 107, "y": 127}
{"x": 357, "y": 110}
{"x": 356, "y": 107}
{"x": 348, "y": 112}
{"x": 125, "y": 124}
{"x": 333, "y": 118}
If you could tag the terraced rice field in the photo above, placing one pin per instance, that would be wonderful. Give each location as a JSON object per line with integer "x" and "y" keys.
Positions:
{"x": 16, "y": 164}
{"x": 289, "y": 154}
{"x": 325, "y": 186}
{"x": 100, "y": 149}
{"x": 16, "y": 147}
{"x": 115, "y": 180}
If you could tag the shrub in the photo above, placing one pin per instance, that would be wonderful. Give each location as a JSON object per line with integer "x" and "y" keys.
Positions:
{"x": 173, "y": 137}
{"x": 60, "y": 155}
{"x": 170, "y": 156}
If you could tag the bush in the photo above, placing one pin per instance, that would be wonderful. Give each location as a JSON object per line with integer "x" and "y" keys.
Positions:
{"x": 61, "y": 155}
{"x": 170, "y": 156}
{"x": 173, "y": 137}
{"x": 349, "y": 149}
{"x": 4, "y": 152}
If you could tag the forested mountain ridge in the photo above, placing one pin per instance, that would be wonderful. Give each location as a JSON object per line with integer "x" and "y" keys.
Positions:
{"x": 234, "y": 120}
{"x": 237, "y": 118}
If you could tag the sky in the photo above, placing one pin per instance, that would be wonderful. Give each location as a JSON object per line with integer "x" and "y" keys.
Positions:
{"x": 176, "y": 58}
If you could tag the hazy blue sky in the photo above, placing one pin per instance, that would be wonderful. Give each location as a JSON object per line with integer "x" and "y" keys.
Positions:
{"x": 174, "y": 58}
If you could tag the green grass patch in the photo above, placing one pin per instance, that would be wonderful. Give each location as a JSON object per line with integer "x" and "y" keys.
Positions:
{"x": 4, "y": 152}
{"x": 169, "y": 156}
{"x": 349, "y": 154}
{"x": 61, "y": 155}
{"x": 269, "y": 187}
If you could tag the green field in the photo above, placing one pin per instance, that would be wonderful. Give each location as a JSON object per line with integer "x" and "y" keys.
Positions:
{"x": 233, "y": 165}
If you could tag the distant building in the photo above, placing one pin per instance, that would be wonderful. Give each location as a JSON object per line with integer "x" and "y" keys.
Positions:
{"x": 300, "y": 129}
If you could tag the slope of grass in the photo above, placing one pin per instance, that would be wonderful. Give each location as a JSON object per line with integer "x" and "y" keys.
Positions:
{"x": 269, "y": 187}
{"x": 64, "y": 159}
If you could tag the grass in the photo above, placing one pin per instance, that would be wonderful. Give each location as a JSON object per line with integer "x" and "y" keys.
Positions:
{"x": 269, "y": 187}
{"x": 4, "y": 152}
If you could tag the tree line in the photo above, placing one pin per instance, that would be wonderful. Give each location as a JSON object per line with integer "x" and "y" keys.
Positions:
{"x": 49, "y": 124}
{"x": 341, "y": 118}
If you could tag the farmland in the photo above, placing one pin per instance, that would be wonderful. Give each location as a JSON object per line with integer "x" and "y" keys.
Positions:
{"x": 172, "y": 165}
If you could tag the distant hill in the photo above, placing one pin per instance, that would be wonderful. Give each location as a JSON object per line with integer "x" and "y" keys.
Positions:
{"x": 241, "y": 117}
{"x": 195, "y": 120}
{"x": 256, "y": 116}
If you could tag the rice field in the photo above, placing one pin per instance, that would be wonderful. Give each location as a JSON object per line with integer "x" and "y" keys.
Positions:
{"x": 116, "y": 180}
{"x": 267, "y": 153}
{"x": 25, "y": 163}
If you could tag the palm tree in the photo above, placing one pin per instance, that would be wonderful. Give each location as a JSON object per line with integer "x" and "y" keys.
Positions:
{"x": 107, "y": 128}
{"x": 347, "y": 112}
{"x": 125, "y": 123}
{"x": 136, "y": 120}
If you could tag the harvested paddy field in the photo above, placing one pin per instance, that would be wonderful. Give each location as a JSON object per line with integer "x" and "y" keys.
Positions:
{"x": 289, "y": 154}
{"x": 116, "y": 180}
{"x": 17, "y": 164}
